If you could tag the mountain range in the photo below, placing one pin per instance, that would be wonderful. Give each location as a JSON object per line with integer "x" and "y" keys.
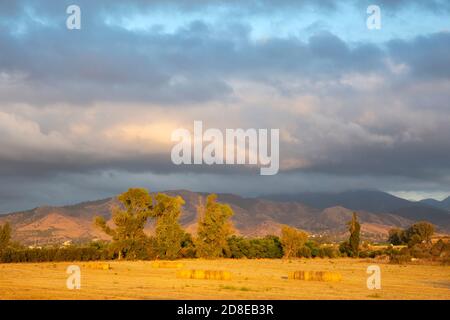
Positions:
{"x": 444, "y": 204}
{"x": 321, "y": 214}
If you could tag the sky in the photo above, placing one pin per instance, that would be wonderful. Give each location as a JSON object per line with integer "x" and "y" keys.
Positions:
{"x": 86, "y": 114}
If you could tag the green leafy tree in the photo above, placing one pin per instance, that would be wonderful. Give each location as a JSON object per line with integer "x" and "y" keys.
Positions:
{"x": 5, "y": 235}
{"x": 268, "y": 247}
{"x": 169, "y": 234}
{"x": 214, "y": 227}
{"x": 355, "y": 229}
{"x": 272, "y": 247}
{"x": 128, "y": 235}
{"x": 292, "y": 240}
{"x": 187, "y": 246}
{"x": 396, "y": 236}
{"x": 420, "y": 232}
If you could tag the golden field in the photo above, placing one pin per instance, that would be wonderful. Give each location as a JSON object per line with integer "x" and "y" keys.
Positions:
{"x": 251, "y": 279}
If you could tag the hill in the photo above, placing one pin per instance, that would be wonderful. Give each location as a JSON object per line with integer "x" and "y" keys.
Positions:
{"x": 253, "y": 216}
{"x": 444, "y": 204}
{"x": 367, "y": 200}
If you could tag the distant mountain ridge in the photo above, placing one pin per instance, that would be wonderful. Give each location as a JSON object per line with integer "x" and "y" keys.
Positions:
{"x": 444, "y": 204}
{"x": 317, "y": 213}
{"x": 368, "y": 200}
{"x": 374, "y": 201}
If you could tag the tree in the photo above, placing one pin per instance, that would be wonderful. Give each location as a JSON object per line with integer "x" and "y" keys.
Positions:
{"x": 187, "y": 246}
{"x": 128, "y": 235}
{"x": 354, "y": 228}
{"x": 292, "y": 240}
{"x": 214, "y": 227}
{"x": 268, "y": 247}
{"x": 169, "y": 234}
{"x": 5, "y": 235}
{"x": 419, "y": 232}
{"x": 396, "y": 236}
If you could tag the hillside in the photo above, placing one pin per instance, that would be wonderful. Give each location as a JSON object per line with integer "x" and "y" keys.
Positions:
{"x": 444, "y": 204}
{"x": 253, "y": 217}
{"x": 377, "y": 202}
{"x": 368, "y": 200}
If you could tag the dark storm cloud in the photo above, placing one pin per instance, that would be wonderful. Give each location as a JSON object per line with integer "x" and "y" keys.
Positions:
{"x": 428, "y": 56}
{"x": 191, "y": 65}
{"x": 427, "y": 159}
{"x": 365, "y": 109}
{"x": 51, "y": 6}
{"x": 106, "y": 63}
{"x": 437, "y": 6}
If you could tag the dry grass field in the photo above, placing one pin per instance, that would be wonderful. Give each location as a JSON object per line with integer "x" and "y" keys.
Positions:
{"x": 251, "y": 279}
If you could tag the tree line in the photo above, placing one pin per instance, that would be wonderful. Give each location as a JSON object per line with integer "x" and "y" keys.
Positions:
{"x": 214, "y": 238}
{"x": 416, "y": 242}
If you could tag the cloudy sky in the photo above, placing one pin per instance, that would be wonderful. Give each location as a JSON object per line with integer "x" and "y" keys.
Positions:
{"x": 86, "y": 114}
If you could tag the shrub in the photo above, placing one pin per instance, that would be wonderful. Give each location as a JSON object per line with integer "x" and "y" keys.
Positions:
{"x": 268, "y": 247}
{"x": 305, "y": 252}
{"x": 330, "y": 252}
{"x": 420, "y": 251}
{"x": 345, "y": 249}
{"x": 313, "y": 247}
{"x": 400, "y": 258}
{"x": 441, "y": 251}
{"x": 11, "y": 255}
{"x": 437, "y": 248}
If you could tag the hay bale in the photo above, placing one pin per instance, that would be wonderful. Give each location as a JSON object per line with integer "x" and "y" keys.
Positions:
{"x": 204, "y": 274}
{"x": 106, "y": 266}
{"x": 98, "y": 266}
{"x": 184, "y": 274}
{"x": 167, "y": 264}
{"x": 316, "y": 276}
